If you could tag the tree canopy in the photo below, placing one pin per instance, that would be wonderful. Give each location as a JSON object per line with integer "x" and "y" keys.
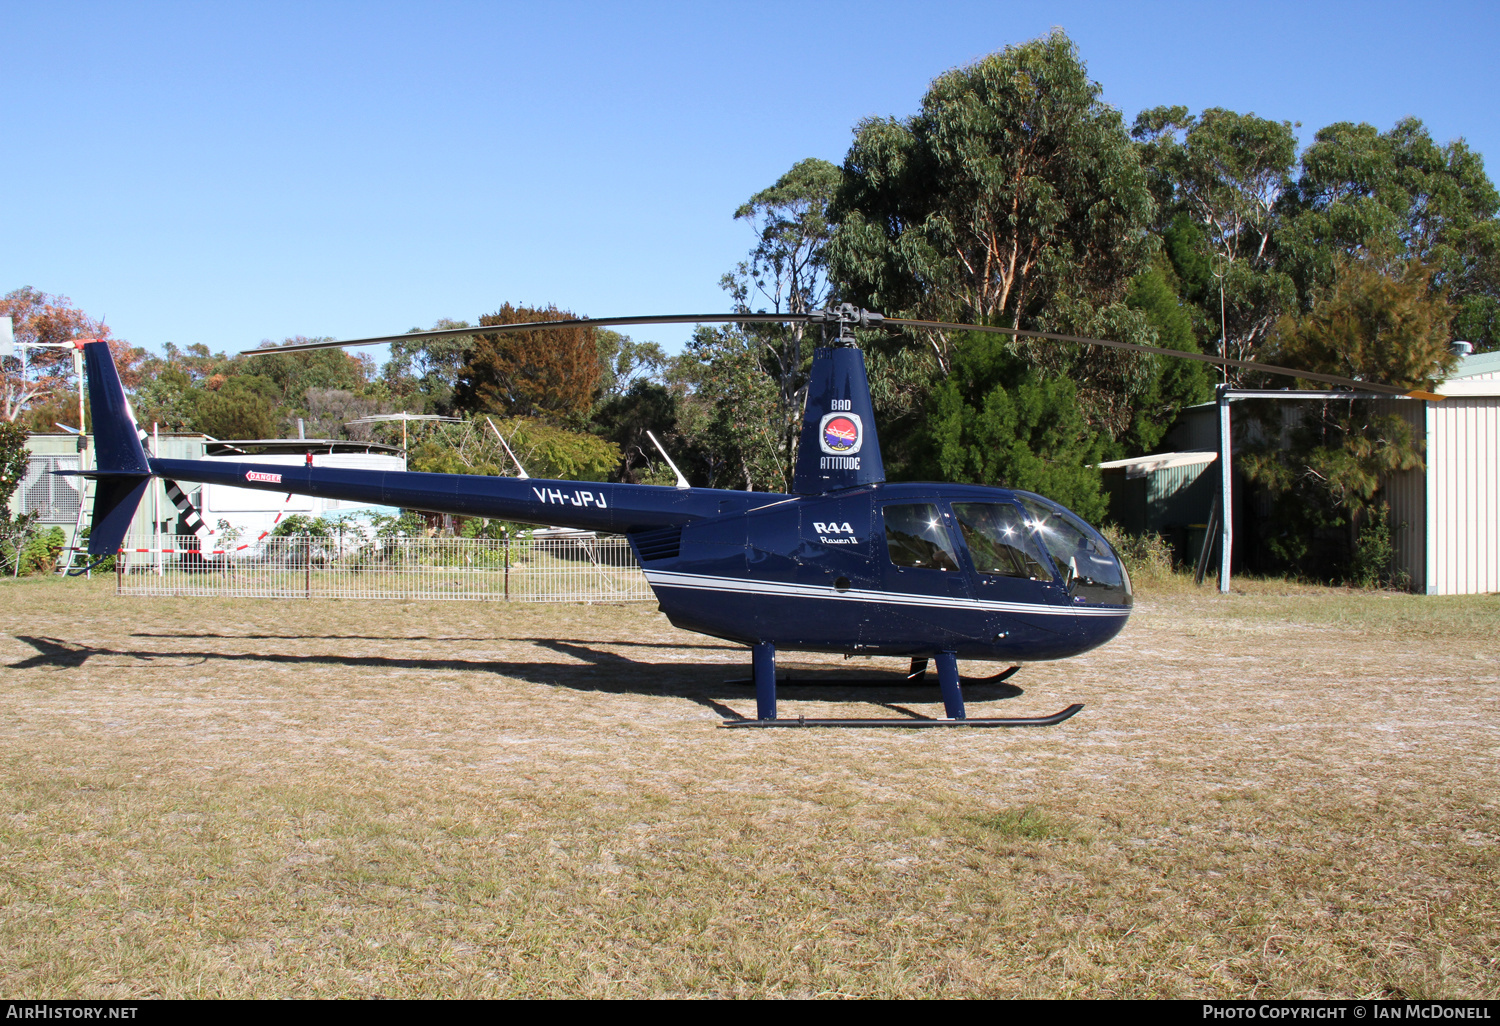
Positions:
{"x": 1378, "y": 319}
{"x": 1014, "y": 186}
{"x": 1399, "y": 193}
{"x": 550, "y": 373}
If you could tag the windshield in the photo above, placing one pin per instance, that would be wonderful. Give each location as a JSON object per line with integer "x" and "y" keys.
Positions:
{"x": 999, "y": 541}
{"x": 1088, "y": 564}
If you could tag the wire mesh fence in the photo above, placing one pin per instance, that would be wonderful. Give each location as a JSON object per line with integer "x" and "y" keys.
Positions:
{"x": 567, "y": 569}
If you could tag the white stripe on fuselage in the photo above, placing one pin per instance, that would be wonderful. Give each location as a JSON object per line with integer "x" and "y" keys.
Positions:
{"x": 704, "y": 582}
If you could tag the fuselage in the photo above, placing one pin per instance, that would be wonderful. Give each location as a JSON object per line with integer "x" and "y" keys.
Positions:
{"x": 906, "y": 569}
{"x": 894, "y": 569}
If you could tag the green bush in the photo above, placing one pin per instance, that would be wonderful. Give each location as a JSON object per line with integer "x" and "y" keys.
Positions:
{"x": 1374, "y": 563}
{"x": 1146, "y": 556}
{"x": 39, "y": 555}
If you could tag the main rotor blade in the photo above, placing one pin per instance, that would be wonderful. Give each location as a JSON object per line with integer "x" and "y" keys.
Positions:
{"x": 581, "y": 322}
{"x": 749, "y": 318}
{"x": 1222, "y": 361}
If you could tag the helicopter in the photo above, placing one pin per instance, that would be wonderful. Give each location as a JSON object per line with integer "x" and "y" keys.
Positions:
{"x": 847, "y": 562}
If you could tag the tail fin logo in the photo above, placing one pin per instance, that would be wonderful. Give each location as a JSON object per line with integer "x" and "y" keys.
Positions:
{"x": 841, "y": 434}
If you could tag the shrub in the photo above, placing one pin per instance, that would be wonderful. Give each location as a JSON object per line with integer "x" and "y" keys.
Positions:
{"x": 1146, "y": 556}
{"x": 1374, "y": 562}
{"x": 41, "y": 550}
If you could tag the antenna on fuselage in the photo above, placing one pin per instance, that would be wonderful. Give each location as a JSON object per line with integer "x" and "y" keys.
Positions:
{"x": 681, "y": 481}
{"x": 520, "y": 470}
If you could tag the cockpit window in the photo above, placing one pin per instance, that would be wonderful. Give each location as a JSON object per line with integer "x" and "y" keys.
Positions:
{"x": 916, "y": 536}
{"x": 1089, "y": 566}
{"x": 999, "y": 541}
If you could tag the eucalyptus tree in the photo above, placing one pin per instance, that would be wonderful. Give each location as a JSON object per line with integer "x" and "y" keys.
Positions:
{"x": 728, "y": 410}
{"x": 1218, "y": 178}
{"x": 624, "y": 362}
{"x": 1013, "y": 197}
{"x": 425, "y": 371}
{"x": 1401, "y": 194}
{"x": 786, "y": 272}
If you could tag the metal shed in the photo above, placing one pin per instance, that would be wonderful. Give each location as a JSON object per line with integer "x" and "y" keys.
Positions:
{"x": 1451, "y": 544}
{"x": 1169, "y": 494}
{"x": 1446, "y": 517}
{"x": 56, "y": 498}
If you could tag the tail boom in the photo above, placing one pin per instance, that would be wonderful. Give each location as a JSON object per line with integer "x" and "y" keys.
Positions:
{"x": 588, "y": 505}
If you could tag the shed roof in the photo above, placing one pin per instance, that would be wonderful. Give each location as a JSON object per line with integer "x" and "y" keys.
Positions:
{"x": 1140, "y": 466}
{"x": 1480, "y": 365}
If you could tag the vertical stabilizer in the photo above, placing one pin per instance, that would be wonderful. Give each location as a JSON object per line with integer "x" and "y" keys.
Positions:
{"x": 839, "y": 447}
{"x": 120, "y": 463}
{"x": 117, "y": 446}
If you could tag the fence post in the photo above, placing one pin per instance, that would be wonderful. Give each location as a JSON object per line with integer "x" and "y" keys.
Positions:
{"x": 120, "y": 571}
{"x": 505, "y": 536}
{"x": 307, "y": 542}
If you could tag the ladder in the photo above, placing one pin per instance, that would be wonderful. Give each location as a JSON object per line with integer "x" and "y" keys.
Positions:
{"x": 69, "y": 552}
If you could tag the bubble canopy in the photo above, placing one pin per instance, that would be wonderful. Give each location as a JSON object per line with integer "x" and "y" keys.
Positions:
{"x": 1089, "y": 565}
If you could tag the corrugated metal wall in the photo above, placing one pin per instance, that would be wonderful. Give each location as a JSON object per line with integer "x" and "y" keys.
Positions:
{"x": 1464, "y": 493}
{"x": 1178, "y": 496}
{"x": 1406, "y": 491}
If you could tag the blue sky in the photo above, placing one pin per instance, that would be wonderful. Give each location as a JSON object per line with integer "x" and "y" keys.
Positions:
{"x": 223, "y": 173}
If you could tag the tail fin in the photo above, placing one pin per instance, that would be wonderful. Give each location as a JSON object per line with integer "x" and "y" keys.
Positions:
{"x": 117, "y": 446}
{"x": 120, "y": 464}
{"x": 839, "y": 447}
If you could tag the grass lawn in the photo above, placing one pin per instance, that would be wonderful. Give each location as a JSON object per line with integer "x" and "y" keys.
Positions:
{"x": 1288, "y": 791}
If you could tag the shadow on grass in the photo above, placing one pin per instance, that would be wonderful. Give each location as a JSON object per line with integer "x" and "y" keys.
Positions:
{"x": 194, "y": 635}
{"x": 597, "y": 670}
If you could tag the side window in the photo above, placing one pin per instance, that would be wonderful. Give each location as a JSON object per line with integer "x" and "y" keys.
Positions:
{"x": 915, "y": 536}
{"x": 999, "y": 541}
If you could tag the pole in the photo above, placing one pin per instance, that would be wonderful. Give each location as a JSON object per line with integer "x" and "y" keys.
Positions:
{"x": 78, "y": 366}
{"x": 1223, "y": 332}
{"x": 1226, "y": 504}
{"x": 505, "y": 536}
{"x": 155, "y": 511}
{"x": 1201, "y": 568}
{"x": 83, "y": 459}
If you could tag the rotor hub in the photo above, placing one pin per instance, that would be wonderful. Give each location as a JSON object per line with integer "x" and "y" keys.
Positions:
{"x": 844, "y": 318}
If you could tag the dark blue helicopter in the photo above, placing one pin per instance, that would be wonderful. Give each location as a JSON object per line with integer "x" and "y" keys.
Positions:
{"x": 846, "y": 563}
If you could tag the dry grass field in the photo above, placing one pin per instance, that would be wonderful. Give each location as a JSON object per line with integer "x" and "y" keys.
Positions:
{"x": 1286, "y": 792}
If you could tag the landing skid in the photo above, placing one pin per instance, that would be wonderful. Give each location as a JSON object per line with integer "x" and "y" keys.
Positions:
{"x": 907, "y": 722}
{"x": 763, "y": 664}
